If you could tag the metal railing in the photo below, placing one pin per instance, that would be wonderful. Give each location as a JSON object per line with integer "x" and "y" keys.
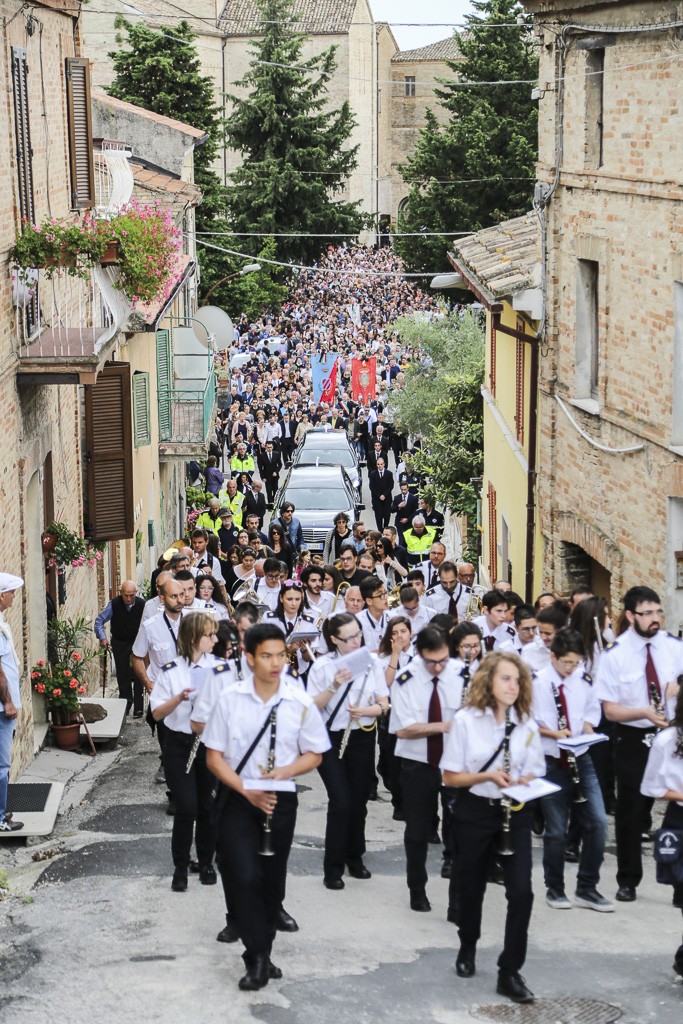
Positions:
{"x": 187, "y": 407}
{"x": 114, "y": 179}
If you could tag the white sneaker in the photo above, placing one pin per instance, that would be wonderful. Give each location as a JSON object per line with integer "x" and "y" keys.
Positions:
{"x": 557, "y": 900}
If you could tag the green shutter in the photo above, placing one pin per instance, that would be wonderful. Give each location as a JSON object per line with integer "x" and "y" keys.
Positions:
{"x": 141, "y": 426}
{"x": 164, "y": 364}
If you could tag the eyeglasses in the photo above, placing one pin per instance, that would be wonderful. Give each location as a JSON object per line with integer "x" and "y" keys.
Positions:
{"x": 289, "y": 584}
{"x": 353, "y": 636}
{"x": 212, "y": 633}
{"x": 272, "y": 575}
{"x": 470, "y": 647}
{"x": 526, "y": 629}
{"x": 656, "y": 613}
{"x": 434, "y": 662}
{"x": 569, "y": 666}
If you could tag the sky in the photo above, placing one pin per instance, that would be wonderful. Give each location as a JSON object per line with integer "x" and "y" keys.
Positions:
{"x": 409, "y": 37}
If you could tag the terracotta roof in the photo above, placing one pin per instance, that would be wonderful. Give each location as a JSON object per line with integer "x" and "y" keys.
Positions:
{"x": 506, "y": 258}
{"x": 316, "y": 17}
{"x": 169, "y": 122}
{"x": 151, "y": 183}
{"x": 444, "y": 49}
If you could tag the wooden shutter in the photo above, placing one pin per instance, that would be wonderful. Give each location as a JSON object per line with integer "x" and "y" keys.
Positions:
{"x": 141, "y": 426}
{"x": 492, "y": 364}
{"x": 164, "y": 364}
{"x": 24, "y": 155}
{"x": 493, "y": 534}
{"x": 519, "y": 385}
{"x": 109, "y": 454}
{"x": 77, "y": 71}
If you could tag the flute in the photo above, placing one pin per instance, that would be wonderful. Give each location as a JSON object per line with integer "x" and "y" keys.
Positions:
{"x": 349, "y": 727}
{"x": 193, "y": 753}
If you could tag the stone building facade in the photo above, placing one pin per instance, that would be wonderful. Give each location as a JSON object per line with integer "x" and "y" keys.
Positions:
{"x": 611, "y": 410}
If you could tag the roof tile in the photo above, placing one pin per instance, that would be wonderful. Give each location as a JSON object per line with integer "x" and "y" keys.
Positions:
{"x": 504, "y": 257}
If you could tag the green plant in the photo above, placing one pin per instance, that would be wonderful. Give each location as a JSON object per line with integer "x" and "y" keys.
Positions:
{"x": 70, "y": 549}
{"x": 73, "y": 246}
{"x": 61, "y": 682}
{"x": 148, "y": 244}
{"x": 196, "y": 498}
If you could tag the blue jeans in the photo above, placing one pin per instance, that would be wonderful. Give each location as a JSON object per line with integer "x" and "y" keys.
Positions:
{"x": 6, "y": 734}
{"x": 592, "y": 823}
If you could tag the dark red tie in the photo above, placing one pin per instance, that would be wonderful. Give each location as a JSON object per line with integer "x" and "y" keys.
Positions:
{"x": 651, "y": 674}
{"x": 435, "y": 742}
{"x": 453, "y": 608}
{"x": 564, "y": 760}
{"x": 489, "y": 641}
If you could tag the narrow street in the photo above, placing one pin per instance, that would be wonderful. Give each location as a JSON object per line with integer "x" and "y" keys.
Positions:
{"x": 103, "y": 933}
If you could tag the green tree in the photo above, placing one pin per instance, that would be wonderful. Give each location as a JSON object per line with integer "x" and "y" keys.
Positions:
{"x": 294, "y": 148}
{"x": 491, "y": 133}
{"x": 442, "y": 402}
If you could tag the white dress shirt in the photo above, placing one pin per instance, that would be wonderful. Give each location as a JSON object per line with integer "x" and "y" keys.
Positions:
{"x": 223, "y": 675}
{"x": 267, "y": 595}
{"x": 154, "y": 640}
{"x": 410, "y": 696}
{"x": 621, "y": 672}
{"x": 581, "y": 700}
{"x": 535, "y": 654}
{"x": 474, "y": 737}
{"x": 503, "y": 635}
{"x": 321, "y": 678}
{"x": 664, "y": 770}
{"x": 439, "y": 599}
{"x": 422, "y": 617}
{"x": 373, "y": 629}
{"x": 174, "y": 677}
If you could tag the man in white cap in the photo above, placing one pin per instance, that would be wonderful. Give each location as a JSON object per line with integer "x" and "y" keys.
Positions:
{"x": 10, "y": 696}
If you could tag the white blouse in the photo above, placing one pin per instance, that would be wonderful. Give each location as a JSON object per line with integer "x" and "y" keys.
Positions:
{"x": 664, "y": 770}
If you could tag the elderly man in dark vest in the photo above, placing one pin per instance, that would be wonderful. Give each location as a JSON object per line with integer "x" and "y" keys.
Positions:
{"x": 124, "y": 613}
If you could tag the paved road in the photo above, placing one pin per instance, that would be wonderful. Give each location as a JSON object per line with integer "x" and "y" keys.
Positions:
{"x": 105, "y": 936}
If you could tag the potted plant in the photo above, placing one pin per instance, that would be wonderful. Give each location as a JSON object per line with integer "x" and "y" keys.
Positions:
{"x": 148, "y": 245}
{"x": 63, "y": 547}
{"x": 62, "y": 681}
{"x": 72, "y": 246}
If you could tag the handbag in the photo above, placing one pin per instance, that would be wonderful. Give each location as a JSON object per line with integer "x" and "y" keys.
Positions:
{"x": 668, "y": 853}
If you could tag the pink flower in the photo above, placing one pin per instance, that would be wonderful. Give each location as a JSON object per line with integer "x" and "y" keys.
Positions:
{"x": 77, "y": 656}
{"x": 56, "y": 692}
{"x": 40, "y": 664}
{"x": 75, "y": 561}
{"x": 91, "y": 562}
{"x": 35, "y": 675}
{"x": 67, "y": 673}
{"x": 81, "y": 689}
{"x": 40, "y": 687}
{"x": 99, "y": 556}
{"x": 73, "y": 684}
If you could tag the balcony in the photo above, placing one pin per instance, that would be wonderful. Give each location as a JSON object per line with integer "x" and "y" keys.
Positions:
{"x": 67, "y": 326}
{"x": 186, "y": 388}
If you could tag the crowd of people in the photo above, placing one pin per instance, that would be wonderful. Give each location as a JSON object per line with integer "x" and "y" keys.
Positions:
{"x": 378, "y": 660}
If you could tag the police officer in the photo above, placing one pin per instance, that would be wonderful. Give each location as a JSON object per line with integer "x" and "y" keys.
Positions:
{"x": 345, "y": 698}
{"x": 424, "y": 699}
{"x": 262, "y": 728}
{"x": 418, "y": 540}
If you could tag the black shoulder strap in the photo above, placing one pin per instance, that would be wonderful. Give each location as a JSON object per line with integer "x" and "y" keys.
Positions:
{"x": 254, "y": 742}
{"x": 506, "y": 739}
{"x": 343, "y": 697}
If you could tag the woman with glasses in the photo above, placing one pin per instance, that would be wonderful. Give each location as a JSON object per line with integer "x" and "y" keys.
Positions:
{"x": 243, "y": 572}
{"x": 290, "y": 615}
{"x": 210, "y": 595}
{"x": 177, "y": 687}
{"x": 347, "y": 699}
{"x": 394, "y": 654}
{"x": 464, "y": 641}
{"x": 336, "y": 537}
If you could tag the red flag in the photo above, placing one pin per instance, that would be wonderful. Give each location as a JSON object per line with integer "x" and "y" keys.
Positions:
{"x": 364, "y": 379}
{"x": 330, "y": 384}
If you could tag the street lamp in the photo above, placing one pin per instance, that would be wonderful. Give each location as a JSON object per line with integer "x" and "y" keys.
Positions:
{"x": 248, "y": 268}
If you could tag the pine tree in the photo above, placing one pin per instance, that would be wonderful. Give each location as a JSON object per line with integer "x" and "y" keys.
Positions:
{"x": 491, "y": 134}
{"x": 295, "y": 152}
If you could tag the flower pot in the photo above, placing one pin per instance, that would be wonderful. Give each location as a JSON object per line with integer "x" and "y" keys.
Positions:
{"x": 49, "y": 541}
{"x": 110, "y": 254}
{"x": 67, "y": 737}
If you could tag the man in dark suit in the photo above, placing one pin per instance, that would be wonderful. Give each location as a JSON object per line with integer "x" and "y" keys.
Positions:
{"x": 404, "y": 507}
{"x": 375, "y": 452}
{"x": 255, "y": 501}
{"x": 381, "y": 483}
{"x": 269, "y": 466}
{"x": 287, "y": 430}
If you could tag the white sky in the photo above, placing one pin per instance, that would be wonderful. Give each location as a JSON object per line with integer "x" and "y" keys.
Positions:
{"x": 410, "y": 37}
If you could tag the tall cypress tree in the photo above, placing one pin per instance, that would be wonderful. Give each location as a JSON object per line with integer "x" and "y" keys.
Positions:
{"x": 295, "y": 153}
{"x": 491, "y": 134}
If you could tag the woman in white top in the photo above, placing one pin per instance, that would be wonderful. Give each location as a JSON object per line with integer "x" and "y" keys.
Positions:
{"x": 394, "y": 653}
{"x": 663, "y": 780}
{"x": 352, "y": 702}
{"x": 177, "y": 686}
{"x": 493, "y": 743}
{"x": 210, "y": 597}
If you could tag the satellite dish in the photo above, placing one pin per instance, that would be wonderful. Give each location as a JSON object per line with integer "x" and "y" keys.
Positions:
{"x": 217, "y": 322}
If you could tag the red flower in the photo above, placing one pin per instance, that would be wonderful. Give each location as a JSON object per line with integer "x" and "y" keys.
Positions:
{"x": 77, "y": 656}
{"x": 35, "y": 675}
{"x": 81, "y": 689}
{"x": 73, "y": 684}
{"x": 40, "y": 687}
{"x": 66, "y": 673}
{"x": 40, "y": 664}
{"x": 57, "y": 692}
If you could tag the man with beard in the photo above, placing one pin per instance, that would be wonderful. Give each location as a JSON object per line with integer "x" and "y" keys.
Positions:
{"x": 631, "y": 683}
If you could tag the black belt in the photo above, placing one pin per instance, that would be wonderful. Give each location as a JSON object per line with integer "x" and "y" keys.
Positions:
{"x": 184, "y": 738}
{"x": 558, "y": 760}
{"x": 634, "y": 730}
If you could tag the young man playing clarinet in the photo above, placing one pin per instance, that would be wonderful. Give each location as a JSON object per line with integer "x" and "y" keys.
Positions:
{"x": 261, "y": 729}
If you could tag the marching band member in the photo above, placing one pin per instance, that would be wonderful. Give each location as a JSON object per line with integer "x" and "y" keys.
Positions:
{"x": 318, "y": 601}
{"x": 394, "y": 654}
{"x": 449, "y": 595}
{"x": 373, "y": 619}
{"x": 261, "y": 728}
{"x": 350, "y": 706}
{"x": 289, "y": 615}
{"x": 497, "y": 634}
{"x": 411, "y": 607}
{"x": 492, "y": 743}
{"x": 176, "y": 688}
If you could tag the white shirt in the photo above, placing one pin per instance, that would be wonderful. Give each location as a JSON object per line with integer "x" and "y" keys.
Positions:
{"x": 535, "y": 654}
{"x": 664, "y": 770}
{"x": 474, "y": 737}
{"x": 219, "y": 611}
{"x": 503, "y": 635}
{"x": 431, "y": 576}
{"x": 439, "y": 599}
{"x": 211, "y": 567}
{"x": 373, "y": 629}
{"x": 421, "y": 618}
{"x": 239, "y": 715}
{"x": 154, "y": 639}
{"x": 321, "y": 607}
{"x": 268, "y": 595}
{"x": 321, "y": 677}
{"x": 223, "y": 675}
{"x": 581, "y": 700}
{"x": 174, "y": 677}
{"x": 152, "y": 607}
{"x": 410, "y": 697}
{"x": 621, "y": 672}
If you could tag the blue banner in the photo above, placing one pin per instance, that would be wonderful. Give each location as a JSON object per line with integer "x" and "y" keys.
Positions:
{"x": 324, "y": 370}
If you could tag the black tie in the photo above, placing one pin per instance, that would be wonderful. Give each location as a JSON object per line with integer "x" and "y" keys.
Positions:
{"x": 489, "y": 641}
{"x": 289, "y": 626}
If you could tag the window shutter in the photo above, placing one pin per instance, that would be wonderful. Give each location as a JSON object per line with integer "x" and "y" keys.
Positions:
{"x": 141, "y": 425}
{"x": 24, "y": 162}
{"x": 519, "y": 385}
{"x": 109, "y": 454}
{"x": 80, "y": 132}
{"x": 493, "y": 534}
{"x": 492, "y": 364}
{"x": 164, "y": 362}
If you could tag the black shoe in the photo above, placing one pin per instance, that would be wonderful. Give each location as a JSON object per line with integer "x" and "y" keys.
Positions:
{"x": 435, "y": 838}
{"x": 464, "y": 964}
{"x": 538, "y": 821}
{"x": 372, "y": 795}
{"x": 138, "y": 714}
{"x": 258, "y": 973}
{"x": 194, "y": 867}
{"x": 446, "y": 867}
{"x": 333, "y": 883}
{"x": 274, "y": 973}
{"x": 495, "y": 874}
{"x": 284, "y": 922}
{"x": 626, "y": 894}
{"x": 419, "y": 902}
{"x": 678, "y": 967}
{"x": 677, "y": 898}
{"x": 571, "y": 854}
{"x": 514, "y": 987}
{"x": 453, "y": 915}
{"x": 230, "y": 933}
{"x": 359, "y": 871}
{"x": 398, "y": 814}
{"x": 207, "y": 874}
{"x": 170, "y": 809}
{"x": 179, "y": 883}
{"x": 8, "y": 825}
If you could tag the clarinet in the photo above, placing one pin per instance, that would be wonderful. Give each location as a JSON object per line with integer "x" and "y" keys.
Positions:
{"x": 505, "y": 846}
{"x": 465, "y": 675}
{"x": 572, "y": 763}
{"x": 267, "y": 837}
{"x": 657, "y": 706}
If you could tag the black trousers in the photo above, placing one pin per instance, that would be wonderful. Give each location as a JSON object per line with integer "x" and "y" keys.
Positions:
{"x": 388, "y": 765}
{"x": 421, "y": 786}
{"x": 255, "y": 885}
{"x": 477, "y": 823}
{"x": 673, "y": 818}
{"x": 193, "y": 796}
{"x": 382, "y": 516}
{"x": 632, "y": 808}
{"x": 271, "y": 483}
{"x": 348, "y": 781}
{"x": 130, "y": 687}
